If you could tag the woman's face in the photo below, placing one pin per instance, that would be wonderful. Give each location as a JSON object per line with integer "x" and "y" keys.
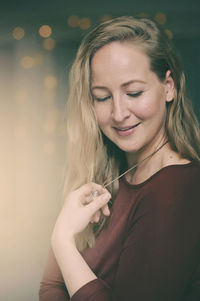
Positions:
{"x": 129, "y": 99}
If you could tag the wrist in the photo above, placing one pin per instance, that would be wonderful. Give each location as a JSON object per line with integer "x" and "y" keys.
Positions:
{"x": 62, "y": 240}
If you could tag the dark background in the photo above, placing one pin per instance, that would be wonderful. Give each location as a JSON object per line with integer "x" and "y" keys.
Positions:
{"x": 182, "y": 19}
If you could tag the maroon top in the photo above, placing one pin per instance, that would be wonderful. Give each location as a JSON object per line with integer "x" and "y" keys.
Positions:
{"x": 151, "y": 248}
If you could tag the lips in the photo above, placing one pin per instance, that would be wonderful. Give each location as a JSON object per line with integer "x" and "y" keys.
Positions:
{"x": 125, "y": 131}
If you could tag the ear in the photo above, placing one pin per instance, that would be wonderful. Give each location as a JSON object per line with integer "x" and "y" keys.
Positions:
{"x": 169, "y": 86}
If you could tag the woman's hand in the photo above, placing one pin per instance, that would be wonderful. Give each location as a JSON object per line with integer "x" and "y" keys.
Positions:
{"x": 81, "y": 207}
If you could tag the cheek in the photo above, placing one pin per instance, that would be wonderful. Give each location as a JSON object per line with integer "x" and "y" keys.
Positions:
{"x": 144, "y": 110}
{"x": 102, "y": 114}
{"x": 151, "y": 107}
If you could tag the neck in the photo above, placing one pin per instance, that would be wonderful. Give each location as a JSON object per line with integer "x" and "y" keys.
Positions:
{"x": 137, "y": 157}
{"x": 147, "y": 160}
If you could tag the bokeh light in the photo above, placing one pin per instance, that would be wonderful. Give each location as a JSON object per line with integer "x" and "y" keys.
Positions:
{"x": 160, "y": 18}
{"x": 85, "y": 23}
{"x": 73, "y": 21}
{"x": 106, "y": 18}
{"x": 49, "y": 44}
{"x": 45, "y": 31}
{"x": 50, "y": 82}
{"x": 27, "y": 62}
{"x": 143, "y": 15}
{"x": 18, "y": 33}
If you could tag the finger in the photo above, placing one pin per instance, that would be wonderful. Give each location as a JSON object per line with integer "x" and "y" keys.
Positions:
{"x": 99, "y": 202}
{"x": 86, "y": 199}
{"x": 87, "y": 189}
{"x": 96, "y": 217}
{"x": 95, "y": 193}
{"x": 106, "y": 211}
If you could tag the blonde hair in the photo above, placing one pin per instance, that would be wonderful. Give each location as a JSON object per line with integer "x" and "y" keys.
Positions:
{"x": 90, "y": 155}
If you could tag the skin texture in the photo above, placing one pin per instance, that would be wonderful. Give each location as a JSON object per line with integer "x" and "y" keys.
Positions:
{"x": 116, "y": 108}
{"x": 126, "y": 93}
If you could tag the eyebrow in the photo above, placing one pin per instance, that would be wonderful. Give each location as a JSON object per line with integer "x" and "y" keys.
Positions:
{"x": 123, "y": 85}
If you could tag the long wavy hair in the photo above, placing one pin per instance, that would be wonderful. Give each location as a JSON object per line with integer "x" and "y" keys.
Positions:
{"x": 90, "y": 155}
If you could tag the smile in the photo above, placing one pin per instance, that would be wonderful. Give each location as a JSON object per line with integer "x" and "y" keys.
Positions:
{"x": 126, "y": 131}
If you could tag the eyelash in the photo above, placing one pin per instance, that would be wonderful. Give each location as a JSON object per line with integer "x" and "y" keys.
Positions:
{"x": 101, "y": 99}
{"x": 137, "y": 94}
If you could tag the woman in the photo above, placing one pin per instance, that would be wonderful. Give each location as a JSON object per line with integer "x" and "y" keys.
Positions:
{"x": 132, "y": 135}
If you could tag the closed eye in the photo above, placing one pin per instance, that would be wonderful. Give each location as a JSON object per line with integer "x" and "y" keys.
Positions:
{"x": 101, "y": 98}
{"x": 135, "y": 94}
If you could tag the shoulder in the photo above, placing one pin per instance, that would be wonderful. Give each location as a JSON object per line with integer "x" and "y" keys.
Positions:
{"x": 176, "y": 186}
{"x": 173, "y": 186}
{"x": 168, "y": 202}
{"x": 176, "y": 174}
{"x": 180, "y": 176}
{"x": 170, "y": 197}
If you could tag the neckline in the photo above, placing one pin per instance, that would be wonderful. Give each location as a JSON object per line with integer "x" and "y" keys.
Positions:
{"x": 155, "y": 174}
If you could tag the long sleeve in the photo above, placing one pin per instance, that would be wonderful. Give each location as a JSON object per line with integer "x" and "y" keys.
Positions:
{"x": 156, "y": 256}
{"x": 52, "y": 286}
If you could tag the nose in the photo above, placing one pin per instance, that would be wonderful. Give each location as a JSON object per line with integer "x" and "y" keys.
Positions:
{"x": 120, "y": 110}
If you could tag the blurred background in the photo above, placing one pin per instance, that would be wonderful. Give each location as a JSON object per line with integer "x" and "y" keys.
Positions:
{"x": 38, "y": 42}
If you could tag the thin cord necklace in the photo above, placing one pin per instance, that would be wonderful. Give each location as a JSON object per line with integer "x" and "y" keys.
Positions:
{"x": 134, "y": 166}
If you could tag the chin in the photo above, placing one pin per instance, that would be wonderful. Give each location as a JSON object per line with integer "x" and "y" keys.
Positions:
{"x": 128, "y": 148}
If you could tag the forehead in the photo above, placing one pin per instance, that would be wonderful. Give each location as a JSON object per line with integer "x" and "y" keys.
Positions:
{"x": 119, "y": 59}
